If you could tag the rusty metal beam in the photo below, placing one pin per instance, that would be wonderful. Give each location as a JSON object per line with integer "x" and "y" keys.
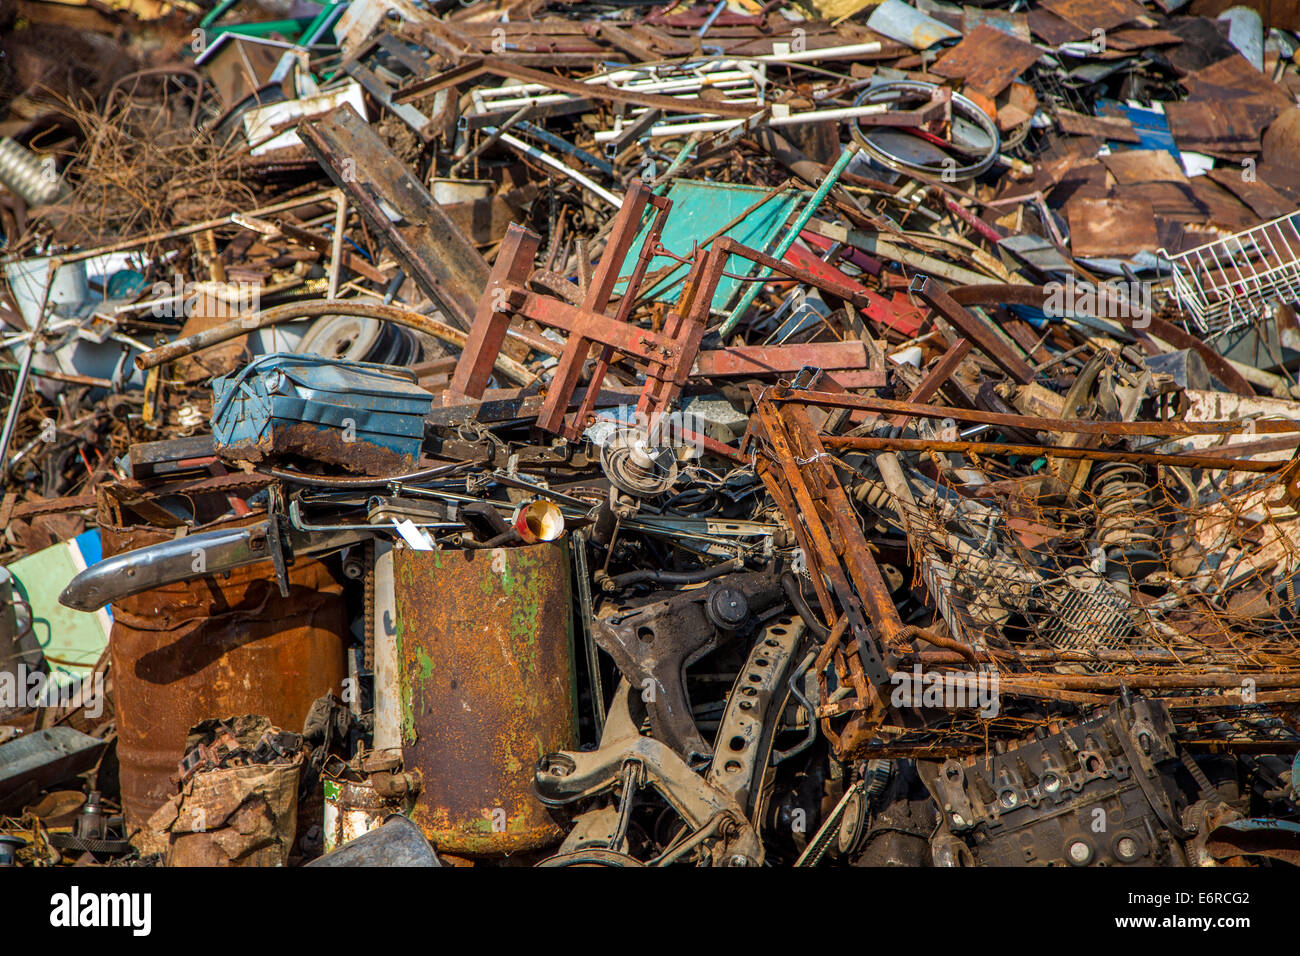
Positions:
{"x": 487, "y": 333}
{"x": 974, "y": 328}
{"x": 867, "y": 443}
{"x": 934, "y": 379}
{"x": 770, "y": 359}
{"x": 431, "y": 248}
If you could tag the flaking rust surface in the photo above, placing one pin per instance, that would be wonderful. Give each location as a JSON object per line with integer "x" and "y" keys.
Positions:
{"x": 487, "y": 688}
{"x": 325, "y": 444}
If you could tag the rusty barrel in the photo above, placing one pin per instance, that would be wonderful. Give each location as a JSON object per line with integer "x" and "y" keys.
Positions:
{"x": 216, "y": 646}
{"x": 487, "y": 686}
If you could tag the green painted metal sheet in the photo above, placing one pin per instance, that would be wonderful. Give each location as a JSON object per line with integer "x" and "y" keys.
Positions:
{"x": 699, "y": 210}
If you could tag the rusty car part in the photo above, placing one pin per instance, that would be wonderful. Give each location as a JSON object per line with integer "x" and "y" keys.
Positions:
{"x": 1033, "y": 804}
{"x": 754, "y": 710}
{"x": 654, "y": 640}
{"x": 715, "y": 819}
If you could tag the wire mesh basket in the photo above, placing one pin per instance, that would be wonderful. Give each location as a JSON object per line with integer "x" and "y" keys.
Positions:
{"x": 1232, "y": 281}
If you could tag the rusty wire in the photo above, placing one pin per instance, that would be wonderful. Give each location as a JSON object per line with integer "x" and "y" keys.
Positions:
{"x": 142, "y": 168}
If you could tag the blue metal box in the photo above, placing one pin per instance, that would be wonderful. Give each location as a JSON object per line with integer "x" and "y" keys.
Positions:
{"x": 367, "y": 418}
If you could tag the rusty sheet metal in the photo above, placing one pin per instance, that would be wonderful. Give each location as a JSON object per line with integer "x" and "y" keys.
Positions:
{"x": 1233, "y": 78}
{"x": 213, "y": 648}
{"x": 234, "y": 817}
{"x": 1116, "y": 128}
{"x": 1226, "y": 126}
{"x": 487, "y": 687}
{"x": 431, "y": 248}
{"x": 1092, "y": 15}
{"x": 1144, "y": 166}
{"x": 1111, "y": 228}
{"x": 1263, "y": 200}
{"x": 988, "y": 59}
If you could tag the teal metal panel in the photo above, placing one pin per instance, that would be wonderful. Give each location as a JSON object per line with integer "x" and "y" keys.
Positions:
{"x": 699, "y": 210}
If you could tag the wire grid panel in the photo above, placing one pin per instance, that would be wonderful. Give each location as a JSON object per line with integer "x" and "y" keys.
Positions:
{"x": 1138, "y": 573}
{"x": 1230, "y": 282}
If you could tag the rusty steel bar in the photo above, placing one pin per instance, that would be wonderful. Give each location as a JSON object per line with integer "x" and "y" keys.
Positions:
{"x": 487, "y": 333}
{"x": 1115, "y": 681}
{"x": 770, "y": 359}
{"x": 866, "y": 443}
{"x": 1171, "y": 428}
{"x": 1136, "y": 655}
{"x": 974, "y": 328}
{"x": 934, "y": 379}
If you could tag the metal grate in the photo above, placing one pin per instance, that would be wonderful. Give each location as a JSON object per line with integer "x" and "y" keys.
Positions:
{"x": 1232, "y": 281}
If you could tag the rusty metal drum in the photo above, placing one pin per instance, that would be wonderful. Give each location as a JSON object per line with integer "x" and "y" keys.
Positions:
{"x": 217, "y": 646}
{"x": 486, "y": 686}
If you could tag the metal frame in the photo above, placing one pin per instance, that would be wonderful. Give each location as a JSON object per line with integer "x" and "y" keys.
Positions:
{"x": 1230, "y": 282}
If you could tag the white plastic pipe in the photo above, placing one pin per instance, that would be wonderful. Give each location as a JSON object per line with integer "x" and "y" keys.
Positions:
{"x": 718, "y": 126}
{"x": 537, "y": 154}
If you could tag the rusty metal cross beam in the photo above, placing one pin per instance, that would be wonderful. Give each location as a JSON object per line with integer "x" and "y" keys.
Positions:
{"x": 667, "y": 355}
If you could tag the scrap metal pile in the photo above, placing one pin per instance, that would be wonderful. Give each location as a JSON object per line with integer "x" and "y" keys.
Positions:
{"x": 619, "y": 434}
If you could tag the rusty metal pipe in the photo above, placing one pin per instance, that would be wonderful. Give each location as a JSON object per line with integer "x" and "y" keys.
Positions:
{"x": 1051, "y": 451}
{"x": 782, "y": 393}
{"x": 314, "y": 309}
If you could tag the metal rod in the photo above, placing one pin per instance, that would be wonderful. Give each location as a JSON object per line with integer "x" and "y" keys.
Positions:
{"x": 20, "y": 385}
{"x": 784, "y": 246}
{"x": 1050, "y": 451}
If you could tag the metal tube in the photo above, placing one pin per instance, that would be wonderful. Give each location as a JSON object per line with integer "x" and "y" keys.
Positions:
{"x": 848, "y": 52}
{"x": 609, "y": 197}
{"x": 336, "y": 247}
{"x": 784, "y": 246}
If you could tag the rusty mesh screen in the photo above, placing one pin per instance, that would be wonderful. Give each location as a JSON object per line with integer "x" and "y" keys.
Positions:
{"x": 1184, "y": 585}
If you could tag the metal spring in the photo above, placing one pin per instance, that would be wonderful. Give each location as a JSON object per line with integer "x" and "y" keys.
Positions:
{"x": 1126, "y": 513}
{"x": 24, "y": 174}
{"x": 873, "y": 494}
